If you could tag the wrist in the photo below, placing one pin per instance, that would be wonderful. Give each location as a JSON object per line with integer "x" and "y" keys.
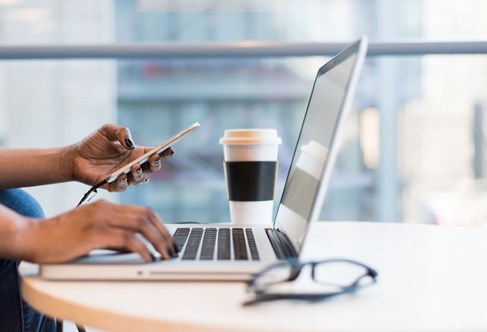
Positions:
{"x": 16, "y": 240}
{"x": 24, "y": 240}
{"x": 68, "y": 162}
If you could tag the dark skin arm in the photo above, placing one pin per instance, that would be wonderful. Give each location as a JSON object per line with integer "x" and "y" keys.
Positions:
{"x": 88, "y": 161}
{"x": 92, "y": 226}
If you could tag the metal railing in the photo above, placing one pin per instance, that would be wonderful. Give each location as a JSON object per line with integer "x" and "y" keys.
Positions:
{"x": 230, "y": 50}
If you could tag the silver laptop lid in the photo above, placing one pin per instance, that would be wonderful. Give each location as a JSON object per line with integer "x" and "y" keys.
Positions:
{"x": 317, "y": 146}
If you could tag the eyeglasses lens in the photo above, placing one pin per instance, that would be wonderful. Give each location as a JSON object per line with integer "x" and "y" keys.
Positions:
{"x": 341, "y": 274}
{"x": 277, "y": 274}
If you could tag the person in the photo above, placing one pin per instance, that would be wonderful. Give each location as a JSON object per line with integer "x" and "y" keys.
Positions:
{"x": 26, "y": 235}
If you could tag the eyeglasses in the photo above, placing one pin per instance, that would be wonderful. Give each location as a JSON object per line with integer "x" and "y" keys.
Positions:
{"x": 331, "y": 277}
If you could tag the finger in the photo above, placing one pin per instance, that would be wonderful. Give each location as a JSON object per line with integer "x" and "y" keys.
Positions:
{"x": 125, "y": 138}
{"x": 155, "y": 163}
{"x": 121, "y": 184}
{"x": 141, "y": 224}
{"x": 159, "y": 240}
{"x": 140, "y": 210}
{"x": 123, "y": 239}
{"x": 137, "y": 175}
{"x": 159, "y": 223}
{"x": 146, "y": 222}
{"x": 119, "y": 133}
{"x": 167, "y": 153}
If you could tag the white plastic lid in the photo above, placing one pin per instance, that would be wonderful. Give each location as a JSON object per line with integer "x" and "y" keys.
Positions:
{"x": 250, "y": 136}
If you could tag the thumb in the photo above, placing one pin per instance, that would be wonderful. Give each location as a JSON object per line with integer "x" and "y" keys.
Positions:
{"x": 121, "y": 134}
{"x": 125, "y": 138}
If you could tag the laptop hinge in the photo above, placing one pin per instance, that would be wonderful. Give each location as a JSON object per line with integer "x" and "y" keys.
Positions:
{"x": 281, "y": 244}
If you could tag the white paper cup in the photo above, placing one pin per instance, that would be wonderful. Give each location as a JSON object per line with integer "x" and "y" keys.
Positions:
{"x": 250, "y": 167}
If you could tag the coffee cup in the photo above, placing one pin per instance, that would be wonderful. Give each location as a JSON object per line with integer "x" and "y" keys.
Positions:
{"x": 250, "y": 168}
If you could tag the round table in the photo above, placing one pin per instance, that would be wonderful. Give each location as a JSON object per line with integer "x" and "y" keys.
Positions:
{"x": 430, "y": 278}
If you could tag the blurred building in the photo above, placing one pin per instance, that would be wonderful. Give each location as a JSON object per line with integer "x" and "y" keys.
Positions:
{"x": 162, "y": 96}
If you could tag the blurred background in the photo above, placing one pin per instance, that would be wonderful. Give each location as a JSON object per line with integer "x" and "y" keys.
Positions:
{"x": 414, "y": 145}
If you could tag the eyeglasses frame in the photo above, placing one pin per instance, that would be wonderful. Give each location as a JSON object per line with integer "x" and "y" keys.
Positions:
{"x": 296, "y": 267}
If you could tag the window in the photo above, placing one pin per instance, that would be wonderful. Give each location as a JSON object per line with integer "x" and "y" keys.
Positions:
{"x": 413, "y": 149}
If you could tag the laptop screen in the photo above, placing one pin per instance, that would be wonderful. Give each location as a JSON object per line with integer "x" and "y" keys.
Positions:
{"x": 313, "y": 160}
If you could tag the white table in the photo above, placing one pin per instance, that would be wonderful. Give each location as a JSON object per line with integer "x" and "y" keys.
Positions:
{"x": 431, "y": 278}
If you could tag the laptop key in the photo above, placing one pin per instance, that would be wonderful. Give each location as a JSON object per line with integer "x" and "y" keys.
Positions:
{"x": 223, "y": 251}
{"x": 208, "y": 246}
{"x": 239, "y": 244}
{"x": 193, "y": 244}
{"x": 182, "y": 231}
{"x": 252, "y": 245}
{"x": 180, "y": 236}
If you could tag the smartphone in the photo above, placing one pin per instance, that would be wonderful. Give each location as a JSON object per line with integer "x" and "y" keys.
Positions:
{"x": 145, "y": 157}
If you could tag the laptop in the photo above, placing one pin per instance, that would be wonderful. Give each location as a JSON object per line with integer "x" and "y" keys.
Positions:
{"x": 235, "y": 252}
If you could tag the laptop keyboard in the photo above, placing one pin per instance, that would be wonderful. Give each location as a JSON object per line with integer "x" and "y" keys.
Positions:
{"x": 216, "y": 243}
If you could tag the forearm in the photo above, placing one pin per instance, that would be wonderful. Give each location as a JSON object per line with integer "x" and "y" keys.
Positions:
{"x": 32, "y": 167}
{"x": 12, "y": 225}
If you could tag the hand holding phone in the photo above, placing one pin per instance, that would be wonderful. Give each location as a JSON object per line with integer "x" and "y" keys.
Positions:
{"x": 140, "y": 160}
{"x": 145, "y": 157}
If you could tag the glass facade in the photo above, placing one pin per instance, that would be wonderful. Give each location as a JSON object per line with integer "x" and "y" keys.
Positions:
{"x": 413, "y": 149}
